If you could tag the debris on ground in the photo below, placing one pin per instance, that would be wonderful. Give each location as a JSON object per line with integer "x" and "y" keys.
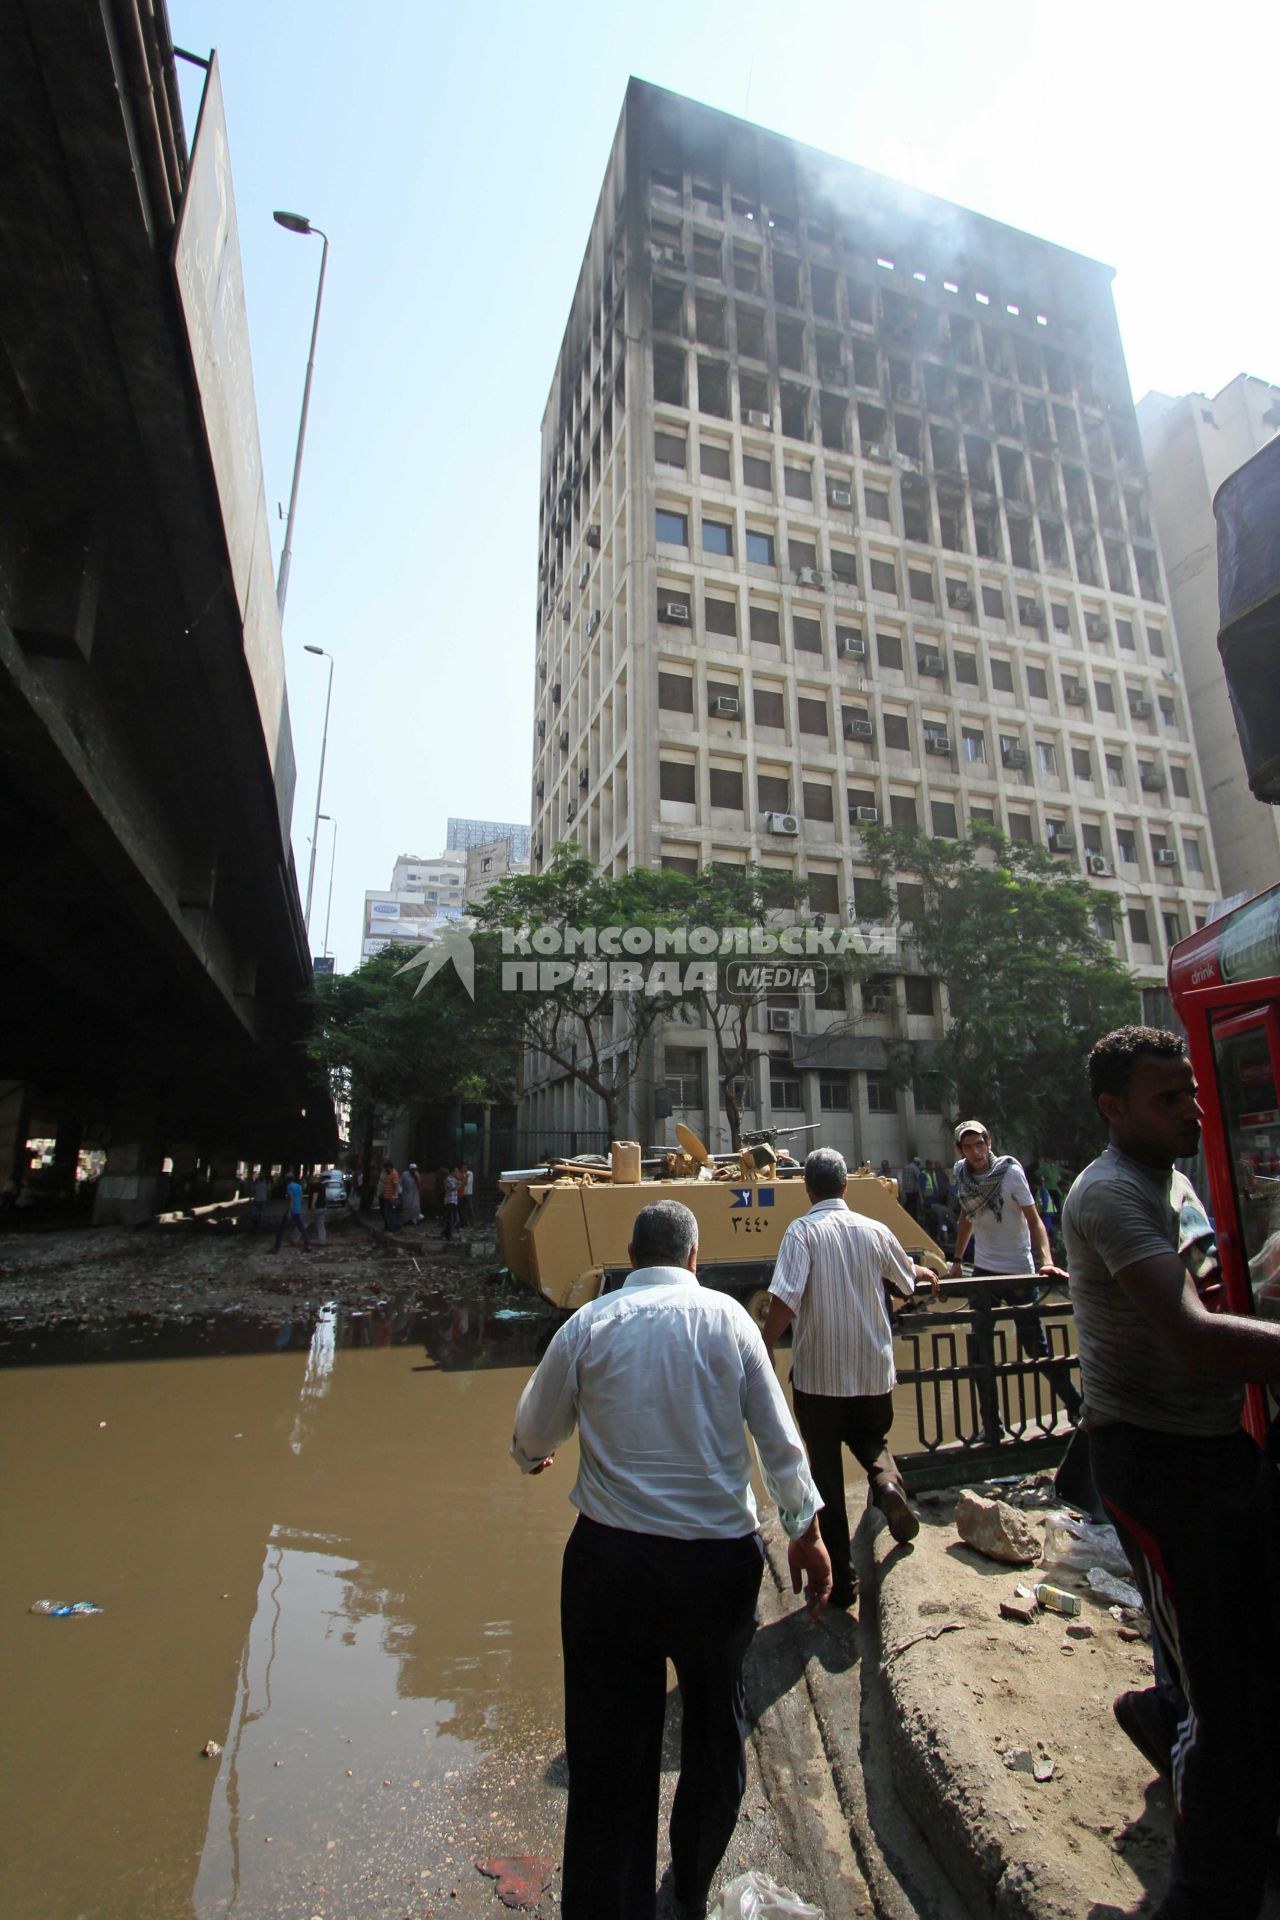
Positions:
{"x": 64, "y": 1609}
{"x": 994, "y": 1528}
{"x": 754, "y": 1896}
{"x": 1108, "y": 1586}
{"x": 210, "y": 1750}
{"x": 1023, "y": 1611}
{"x": 522, "y": 1879}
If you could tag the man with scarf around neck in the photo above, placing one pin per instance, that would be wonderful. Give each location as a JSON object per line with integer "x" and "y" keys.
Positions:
{"x": 998, "y": 1214}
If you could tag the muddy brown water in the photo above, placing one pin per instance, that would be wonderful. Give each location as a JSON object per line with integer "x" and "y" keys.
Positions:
{"x": 322, "y": 1559}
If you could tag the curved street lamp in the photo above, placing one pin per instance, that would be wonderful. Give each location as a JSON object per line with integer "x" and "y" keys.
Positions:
{"x": 298, "y": 223}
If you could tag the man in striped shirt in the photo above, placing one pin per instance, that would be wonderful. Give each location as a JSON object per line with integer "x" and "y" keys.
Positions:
{"x": 829, "y": 1282}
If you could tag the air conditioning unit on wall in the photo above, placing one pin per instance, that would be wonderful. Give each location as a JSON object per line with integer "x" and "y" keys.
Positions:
{"x": 784, "y": 823}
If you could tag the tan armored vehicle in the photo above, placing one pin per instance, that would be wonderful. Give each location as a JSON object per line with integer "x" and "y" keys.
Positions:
{"x": 564, "y": 1228}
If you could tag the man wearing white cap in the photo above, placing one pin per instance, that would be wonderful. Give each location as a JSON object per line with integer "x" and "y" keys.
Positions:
{"x": 998, "y": 1214}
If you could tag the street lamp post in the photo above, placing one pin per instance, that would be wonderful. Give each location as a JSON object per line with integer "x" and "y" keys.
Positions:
{"x": 298, "y": 223}
{"x": 333, "y": 855}
{"x": 324, "y": 742}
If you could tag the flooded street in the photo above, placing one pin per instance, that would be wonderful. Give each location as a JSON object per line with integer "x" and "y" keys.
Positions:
{"x": 320, "y": 1558}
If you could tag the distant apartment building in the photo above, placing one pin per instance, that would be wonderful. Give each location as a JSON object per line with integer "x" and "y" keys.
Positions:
{"x": 844, "y": 519}
{"x": 463, "y": 834}
{"x": 1192, "y": 444}
{"x": 424, "y": 896}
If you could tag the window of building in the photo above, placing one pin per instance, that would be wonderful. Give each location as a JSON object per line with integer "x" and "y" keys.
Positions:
{"x": 889, "y": 650}
{"x": 675, "y": 692}
{"x": 875, "y": 503}
{"x": 1037, "y": 684}
{"x": 920, "y": 584}
{"x": 927, "y": 1093}
{"x": 669, "y": 600}
{"x": 1124, "y": 635}
{"x": 844, "y": 567}
{"x": 806, "y": 634}
{"x": 824, "y": 893}
{"x": 1172, "y": 928}
{"x": 902, "y": 813}
{"x": 784, "y": 1092}
{"x": 717, "y": 537}
{"x": 812, "y": 715}
{"x": 1155, "y": 641}
{"x": 1139, "y": 931}
{"x": 676, "y": 781}
{"x": 1082, "y": 763}
{"x": 802, "y": 554}
{"x": 1127, "y": 846}
{"x": 974, "y": 743}
{"x": 896, "y": 732}
{"x": 767, "y": 706}
{"x": 884, "y": 577}
{"x": 1020, "y": 827}
{"x": 1191, "y": 854}
{"x": 1001, "y": 676}
{"x": 1046, "y": 756}
{"x": 714, "y": 462}
{"x": 720, "y": 616}
{"x": 910, "y": 902}
{"x": 682, "y": 1076}
{"x": 819, "y": 803}
{"x": 670, "y": 449}
{"x": 669, "y": 376}
{"x": 1115, "y": 769}
{"x": 882, "y": 1095}
{"x": 678, "y": 863}
{"x": 919, "y": 994}
{"x": 759, "y": 548}
{"x": 993, "y": 603}
{"x": 757, "y": 473}
{"x": 1104, "y": 696}
{"x": 871, "y": 900}
{"x": 833, "y": 1092}
{"x": 726, "y": 787}
{"x": 773, "y": 791}
{"x": 1061, "y": 618}
{"x": 965, "y": 667}
{"x": 1168, "y": 712}
{"x": 672, "y": 528}
{"x": 797, "y": 483}
{"x": 943, "y": 815}
{"x": 765, "y": 627}
{"x": 1179, "y": 782}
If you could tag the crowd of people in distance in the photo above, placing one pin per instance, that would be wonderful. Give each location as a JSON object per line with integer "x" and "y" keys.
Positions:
{"x": 399, "y": 1196}
{"x": 303, "y": 1199}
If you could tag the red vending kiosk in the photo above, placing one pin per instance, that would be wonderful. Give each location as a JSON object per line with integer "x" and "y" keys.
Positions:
{"x": 1225, "y": 983}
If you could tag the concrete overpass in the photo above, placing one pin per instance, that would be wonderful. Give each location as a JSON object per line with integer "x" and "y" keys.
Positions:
{"x": 153, "y": 957}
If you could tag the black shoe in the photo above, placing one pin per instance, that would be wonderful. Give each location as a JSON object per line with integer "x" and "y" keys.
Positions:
{"x": 844, "y": 1598}
{"x": 688, "y": 1909}
{"x": 1145, "y": 1718}
{"x": 904, "y": 1525}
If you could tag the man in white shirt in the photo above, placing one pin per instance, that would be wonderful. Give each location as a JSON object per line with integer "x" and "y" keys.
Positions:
{"x": 829, "y": 1281}
{"x": 998, "y": 1213}
{"x": 665, "y": 1560}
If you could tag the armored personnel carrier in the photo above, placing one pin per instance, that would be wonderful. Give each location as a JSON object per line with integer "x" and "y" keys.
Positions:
{"x": 564, "y": 1228}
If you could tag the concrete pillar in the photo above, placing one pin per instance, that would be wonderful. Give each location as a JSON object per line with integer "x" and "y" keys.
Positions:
{"x": 133, "y": 1188}
{"x": 13, "y": 1129}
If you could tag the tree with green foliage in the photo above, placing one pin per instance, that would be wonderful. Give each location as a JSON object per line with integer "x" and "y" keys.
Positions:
{"x": 386, "y": 1044}
{"x": 576, "y": 1023}
{"x": 1031, "y": 982}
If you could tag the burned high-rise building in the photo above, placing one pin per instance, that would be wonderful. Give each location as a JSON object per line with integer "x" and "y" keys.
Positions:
{"x": 844, "y": 520}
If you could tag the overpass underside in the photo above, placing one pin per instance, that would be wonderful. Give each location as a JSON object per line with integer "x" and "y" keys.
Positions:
{"x": 153, "y": 960}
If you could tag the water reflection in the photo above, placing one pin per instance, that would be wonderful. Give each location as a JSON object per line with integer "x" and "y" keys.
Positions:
{"x": 318, "y": 1555}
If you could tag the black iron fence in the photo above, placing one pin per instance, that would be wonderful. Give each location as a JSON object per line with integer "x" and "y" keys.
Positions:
{"x": 994, "y": 1382}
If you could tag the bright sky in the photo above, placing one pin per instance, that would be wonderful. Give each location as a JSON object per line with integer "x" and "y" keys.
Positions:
{"x": 454, "y": 156}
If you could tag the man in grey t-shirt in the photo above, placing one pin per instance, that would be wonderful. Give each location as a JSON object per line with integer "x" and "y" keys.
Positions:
{"x": 1191, "y": 1495}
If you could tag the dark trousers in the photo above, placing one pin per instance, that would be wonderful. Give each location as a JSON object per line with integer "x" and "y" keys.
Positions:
{"x": 827, "y": 1425}
{"x": 1033, "y": 1342}
{"x": 628, "y": 1602}
{"x": 1198, "y": 1518}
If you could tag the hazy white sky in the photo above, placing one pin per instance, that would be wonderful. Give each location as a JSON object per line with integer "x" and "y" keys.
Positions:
{"x": 454, "y": 157}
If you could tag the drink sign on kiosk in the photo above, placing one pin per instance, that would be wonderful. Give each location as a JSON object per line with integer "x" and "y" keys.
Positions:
{"x": 1225, "y": 983}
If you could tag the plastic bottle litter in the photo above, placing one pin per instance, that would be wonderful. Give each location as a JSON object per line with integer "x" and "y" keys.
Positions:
{"x": 754, "y": 1896}
{"x": 1076, "y": 1545}
{"x": 1108, "y": 1587}
{"x": 1056, "y": 1599}
{"x": 64, "y": 1609}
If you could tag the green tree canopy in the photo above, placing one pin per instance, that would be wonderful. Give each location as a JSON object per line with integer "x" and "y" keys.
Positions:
{"x": 1010, "y": 931}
